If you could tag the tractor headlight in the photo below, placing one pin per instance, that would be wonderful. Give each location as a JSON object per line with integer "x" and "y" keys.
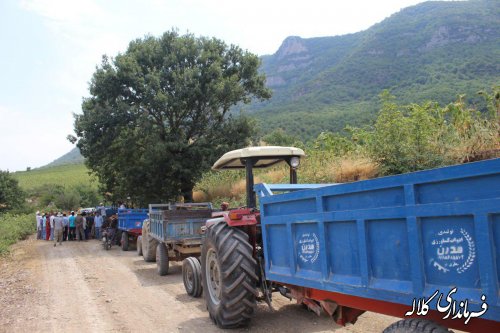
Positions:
{"x": 294, "y": 162}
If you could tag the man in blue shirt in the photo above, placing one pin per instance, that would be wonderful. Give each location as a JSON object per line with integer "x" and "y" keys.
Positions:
{"x": 72, "y": 226}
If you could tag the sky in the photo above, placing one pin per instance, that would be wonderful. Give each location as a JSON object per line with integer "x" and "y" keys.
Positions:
{"x": 50, "y": 49}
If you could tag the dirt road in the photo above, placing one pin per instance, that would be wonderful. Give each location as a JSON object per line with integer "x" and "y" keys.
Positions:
{"x": 79, "y": 287}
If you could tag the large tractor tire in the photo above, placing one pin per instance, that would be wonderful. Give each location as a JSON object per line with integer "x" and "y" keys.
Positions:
{"x": 124, "y": 241}
{"x": 162, "y": 259}
{"x": 228, "y": 275}
{"x": 139, "y": 246}
{"x": 148, "y": 244}
{"x": 191, "y": 276}
{"x": 416, "y": 325}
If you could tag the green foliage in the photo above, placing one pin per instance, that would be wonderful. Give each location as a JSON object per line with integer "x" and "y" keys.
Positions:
{"x": 416, "y": 137}
{"x": 158, "y": 114}
{"x": 70, "y": 200}
{"x": 279, "y": 137}
{"x": 11, "y": 195}
{"x": 14, "y": 228}
{"x": 403, "y": 138}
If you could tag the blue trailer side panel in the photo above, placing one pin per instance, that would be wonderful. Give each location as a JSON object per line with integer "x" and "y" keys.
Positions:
{"x": 129, "y": 219}
{"x": 391, "y": 239}
{"x": 175, "y": 230}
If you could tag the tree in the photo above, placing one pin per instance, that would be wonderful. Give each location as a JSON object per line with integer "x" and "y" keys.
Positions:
{"x": 278, "y": 137}
{"x": 11, "y": 195}
{"x": 159, "y": 114}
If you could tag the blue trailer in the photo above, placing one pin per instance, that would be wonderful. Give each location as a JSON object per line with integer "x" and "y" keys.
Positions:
{"x": 424, "y": 246}
{"x": 173, "y": 233}
{"x": 130, "y": 225}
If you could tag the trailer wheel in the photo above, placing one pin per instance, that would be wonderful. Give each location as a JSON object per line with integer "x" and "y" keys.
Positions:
{"x": 124, "y": 241}
{"x": 228, "y": 274}
{"x": 162, "y": 259}
{"x": 118, "y": 239}
{"x": 416, "y": 325}
{"x": 191, "y": 276}
{"x": 139, "y": 246}
{"x": 148, "y": 244}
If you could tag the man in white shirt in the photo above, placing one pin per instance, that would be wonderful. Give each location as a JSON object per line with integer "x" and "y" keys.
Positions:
{"x": 58, "y": 229}
{"x": 39, "y": 221}
{"x": 52, "y": 217}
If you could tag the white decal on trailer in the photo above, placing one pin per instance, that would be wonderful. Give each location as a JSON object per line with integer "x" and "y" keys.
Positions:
{"x": 308, "y": 247}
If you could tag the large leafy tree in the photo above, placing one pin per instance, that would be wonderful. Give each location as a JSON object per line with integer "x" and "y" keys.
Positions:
{"x": 159, "y": 114}
{"x": 11, "y": 195}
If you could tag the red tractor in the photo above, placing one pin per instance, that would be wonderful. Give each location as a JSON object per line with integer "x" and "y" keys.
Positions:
{"x": 232, "y": 266}
{"x": 365, "y": 246}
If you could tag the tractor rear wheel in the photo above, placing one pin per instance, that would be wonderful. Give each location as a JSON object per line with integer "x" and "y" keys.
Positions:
{"x": 191, "y": 276}
{"x": 162, "y": 259}
{"x": 124, "y": 241}
{"x": 228, "y": 274}
{"x": 148, "y": 244}
{"x": 139, "y": 246}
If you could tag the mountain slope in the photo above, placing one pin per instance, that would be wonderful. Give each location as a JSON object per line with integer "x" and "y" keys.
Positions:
{"x": 431, "y": 51}
{"x": 72, "y": 157}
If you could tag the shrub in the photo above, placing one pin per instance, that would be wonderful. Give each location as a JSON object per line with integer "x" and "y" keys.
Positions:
{"x": 13, "y": 228}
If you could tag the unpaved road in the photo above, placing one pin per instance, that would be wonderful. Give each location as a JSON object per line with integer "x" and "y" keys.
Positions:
{"x": 79, "y": 287}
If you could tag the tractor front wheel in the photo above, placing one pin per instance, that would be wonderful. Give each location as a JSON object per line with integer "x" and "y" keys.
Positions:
{"x": 228, "y": 274}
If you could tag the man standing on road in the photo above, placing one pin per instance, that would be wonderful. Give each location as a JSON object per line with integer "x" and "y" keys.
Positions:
{"x": 66, "y": 227}
{"x": 72, "y": 226}
{"x": 39, "y": 222}
{"x": 98, "y": 225}
{"x": 79, "y": 221}
{"x": 52, "y": 217}
{"x": 58, "y": 229}
{"x": 47, "y": 226}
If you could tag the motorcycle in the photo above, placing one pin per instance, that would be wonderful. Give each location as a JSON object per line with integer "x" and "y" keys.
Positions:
{"x": 108, "y": 238}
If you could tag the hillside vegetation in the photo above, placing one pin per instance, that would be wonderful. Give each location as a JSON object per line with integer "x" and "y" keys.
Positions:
{"x": 65, "y": 187}
{"x": 67, "y": 175}
{"x": 404, "y": 138}
{"x": 430, "y": 51}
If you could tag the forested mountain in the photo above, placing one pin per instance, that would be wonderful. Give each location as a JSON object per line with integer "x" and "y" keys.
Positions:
{"x": 431, "y": 51}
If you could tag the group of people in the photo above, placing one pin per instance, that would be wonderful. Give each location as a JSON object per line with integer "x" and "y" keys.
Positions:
{"x": 60, "y": 226}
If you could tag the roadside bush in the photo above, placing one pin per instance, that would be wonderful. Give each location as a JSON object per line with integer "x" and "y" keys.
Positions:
{"x": 11, "y": 195}
{"x": 13, "y": 228}
{"x": 416, "y": 137}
